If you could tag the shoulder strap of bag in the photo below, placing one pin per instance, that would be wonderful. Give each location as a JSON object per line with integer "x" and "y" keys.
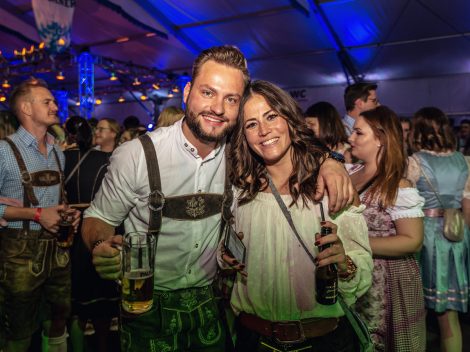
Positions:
{"x": 80, "y": 161}
{"x": 156, "y": 196}
{"x": 364, "y": 339}
{"x": 418, "y": 162}
{"x": 63, "y": 198}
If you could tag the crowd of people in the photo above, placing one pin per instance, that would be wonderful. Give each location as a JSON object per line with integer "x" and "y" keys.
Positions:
{"x": 371, "y": 199}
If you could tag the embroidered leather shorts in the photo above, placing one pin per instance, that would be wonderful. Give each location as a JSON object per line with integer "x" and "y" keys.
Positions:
{"x": 181, "y": 320}
{"x": 34, "y": 277}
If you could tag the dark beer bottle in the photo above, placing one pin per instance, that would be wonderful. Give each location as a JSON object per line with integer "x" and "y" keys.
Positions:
{"x": 326, "y": 277}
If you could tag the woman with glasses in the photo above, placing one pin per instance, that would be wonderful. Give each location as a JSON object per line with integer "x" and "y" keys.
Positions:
{"x": 107, "y": 134}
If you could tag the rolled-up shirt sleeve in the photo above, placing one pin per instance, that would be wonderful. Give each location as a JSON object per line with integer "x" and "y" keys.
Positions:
{"x": 353, "y": 232}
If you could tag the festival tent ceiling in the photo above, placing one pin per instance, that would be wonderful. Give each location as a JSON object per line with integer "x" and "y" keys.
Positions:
{"x": 294, "y": 43}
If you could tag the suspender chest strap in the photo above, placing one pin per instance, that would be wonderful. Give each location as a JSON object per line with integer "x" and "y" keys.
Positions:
{"x": 188, "y": 207}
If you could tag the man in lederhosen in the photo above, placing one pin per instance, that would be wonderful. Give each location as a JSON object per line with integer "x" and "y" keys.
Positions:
{"x": 190, "y": 174}
{"x": 33, "y": 269}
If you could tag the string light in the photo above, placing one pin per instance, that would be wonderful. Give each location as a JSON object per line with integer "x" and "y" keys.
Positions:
{"x": 121, "y": 99}
{"x": 136, "y": 82}
{"x": 61, "y": 42}
{"x": 60, "y": 76}
{"x": 98, "y": 101}
{"x": 143, "y": 97}
{"x": 170, "y": 94}
{"x": 113, "y": 77}
{"x": 77, "y": 103}
{"x": 175, "y": 89}
{"x": 5, "y": 84}
{"x": 156, "y": 86}
{"x": 2, "y": 98}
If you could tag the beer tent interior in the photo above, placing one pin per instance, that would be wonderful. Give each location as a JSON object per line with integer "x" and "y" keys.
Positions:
{"x": 417, "y": 50}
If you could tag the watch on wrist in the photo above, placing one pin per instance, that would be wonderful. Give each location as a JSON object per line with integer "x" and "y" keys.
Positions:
{"x": 350, "y": 272}
{"x": 336, "y": 156}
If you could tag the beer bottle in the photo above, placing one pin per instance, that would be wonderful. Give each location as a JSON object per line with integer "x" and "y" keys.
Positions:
{"x": 326, "y": 277}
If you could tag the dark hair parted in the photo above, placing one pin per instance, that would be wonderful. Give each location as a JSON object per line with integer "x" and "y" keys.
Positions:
{"x": 248, "y": 171}
{"x": 79, "y": 131}
{"x": 391, "y": 159}
{"x": 332, "y": 131}
{"x": 23, "y": 89}
{"x": 431, "y": 130}
{"x": 357, "y": 91}
{"x": 226, "y": 55}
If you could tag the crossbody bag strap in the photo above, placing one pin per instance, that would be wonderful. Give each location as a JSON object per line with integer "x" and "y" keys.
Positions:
{"x": 418, "y": 162}
{"x": 361, "y": 334}
{"x": 286, "y": 213}
{"x": 156, "y": 197}
{"x": 80, "y": 161}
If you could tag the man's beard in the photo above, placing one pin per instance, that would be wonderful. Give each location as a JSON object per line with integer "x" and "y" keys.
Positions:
{"x": 195, "y": 127}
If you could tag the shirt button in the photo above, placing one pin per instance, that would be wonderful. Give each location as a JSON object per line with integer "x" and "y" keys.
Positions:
{"x": 185, "y": 144}
{"x": 192, "y": 149}
{"x": 197, "y": 245}
{"x": 189, "y": 271}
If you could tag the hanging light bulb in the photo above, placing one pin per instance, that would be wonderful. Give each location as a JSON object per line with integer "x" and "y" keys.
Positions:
{"x": 77, "y": 103}
{"x": 121, "y": 99}
{"x": 170, "y": 94}
{"x": 175, "y": 89}
{"x": 60, "y": 76}
{"x": 156, "y": 86}
{"x": 42, "y": 45}
{"x": 98, "y": 101}
{"x": 5, "y": 84}
{"x": 3, "y": 98}
{"x": 136, "y": 82}
{"x": 113, "y": 77}
{"x": 61, "y": 42}
{"x": 143, "y": 97}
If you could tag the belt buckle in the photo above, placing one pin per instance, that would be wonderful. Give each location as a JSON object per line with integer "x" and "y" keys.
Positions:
{"x": 297, "y": 324}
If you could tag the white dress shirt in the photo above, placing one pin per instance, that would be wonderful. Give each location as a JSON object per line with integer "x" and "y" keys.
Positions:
{"x": 186, "y": 251}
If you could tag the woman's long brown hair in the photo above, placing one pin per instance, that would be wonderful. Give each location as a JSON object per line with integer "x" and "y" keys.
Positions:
{"x": 431, "y": 130}
{"x": 391, "y": 159}
{"x": 248, "y": 171}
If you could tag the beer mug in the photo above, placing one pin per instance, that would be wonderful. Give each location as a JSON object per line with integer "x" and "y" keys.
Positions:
{"x": 138, "y": 263}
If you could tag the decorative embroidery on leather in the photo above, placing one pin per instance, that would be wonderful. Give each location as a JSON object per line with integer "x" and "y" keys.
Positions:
{"x": 195, "y": 206}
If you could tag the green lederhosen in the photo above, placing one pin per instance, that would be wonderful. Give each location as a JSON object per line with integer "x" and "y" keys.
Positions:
{"x": 32, "y": 267}
{"x": 187, "y": 319}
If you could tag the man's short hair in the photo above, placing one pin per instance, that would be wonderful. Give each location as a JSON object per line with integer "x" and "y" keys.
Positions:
{"x": 357, "y": 91}
{"x": 226, "y": 55}
{"x": 465, "y": 121}
{"x": 22, "y": 90}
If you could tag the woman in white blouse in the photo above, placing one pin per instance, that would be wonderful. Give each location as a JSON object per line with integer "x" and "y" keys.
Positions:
{"x": 275, "y": 300}
{"x": 394, "y": 306}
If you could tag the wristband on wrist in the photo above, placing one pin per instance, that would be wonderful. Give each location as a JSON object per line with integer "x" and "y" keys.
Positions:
{"x": 37, "y": 215}
{"x": 350, "y": 272}
{"x": 336, "y": 156}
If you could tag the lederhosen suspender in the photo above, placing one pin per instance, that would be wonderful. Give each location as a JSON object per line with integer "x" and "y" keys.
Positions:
{"x": 186, "y": 207}
{"x": 42, "y": 178}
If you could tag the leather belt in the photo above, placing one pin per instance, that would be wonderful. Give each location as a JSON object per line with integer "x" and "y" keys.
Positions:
{"x": 287, "y": 332}
{"x": 434, "y": 212}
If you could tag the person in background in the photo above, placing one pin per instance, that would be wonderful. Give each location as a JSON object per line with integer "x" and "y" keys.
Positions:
{"x": 93, "y": 298}
{"x": 358, "y": 97}
{"x": 107, "y": 134}
{"x": 325, "y": 122}
{"x": 8, "y": 123}
{"x": 394, "y": 306}
{"x": 130, "y": 134}
{"x": 169, "y": 116}
{"x": 35, "y": 269}
{"x": 441, "y": 175}
{"x": 464, "y": 137}
{"x": 406, "y": 127}
{"x": 277, "y": 289}
{"x": 131, "y": 122}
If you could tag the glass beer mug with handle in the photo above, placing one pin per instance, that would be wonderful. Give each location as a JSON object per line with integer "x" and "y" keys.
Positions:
{"x": 138, "y": 263}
